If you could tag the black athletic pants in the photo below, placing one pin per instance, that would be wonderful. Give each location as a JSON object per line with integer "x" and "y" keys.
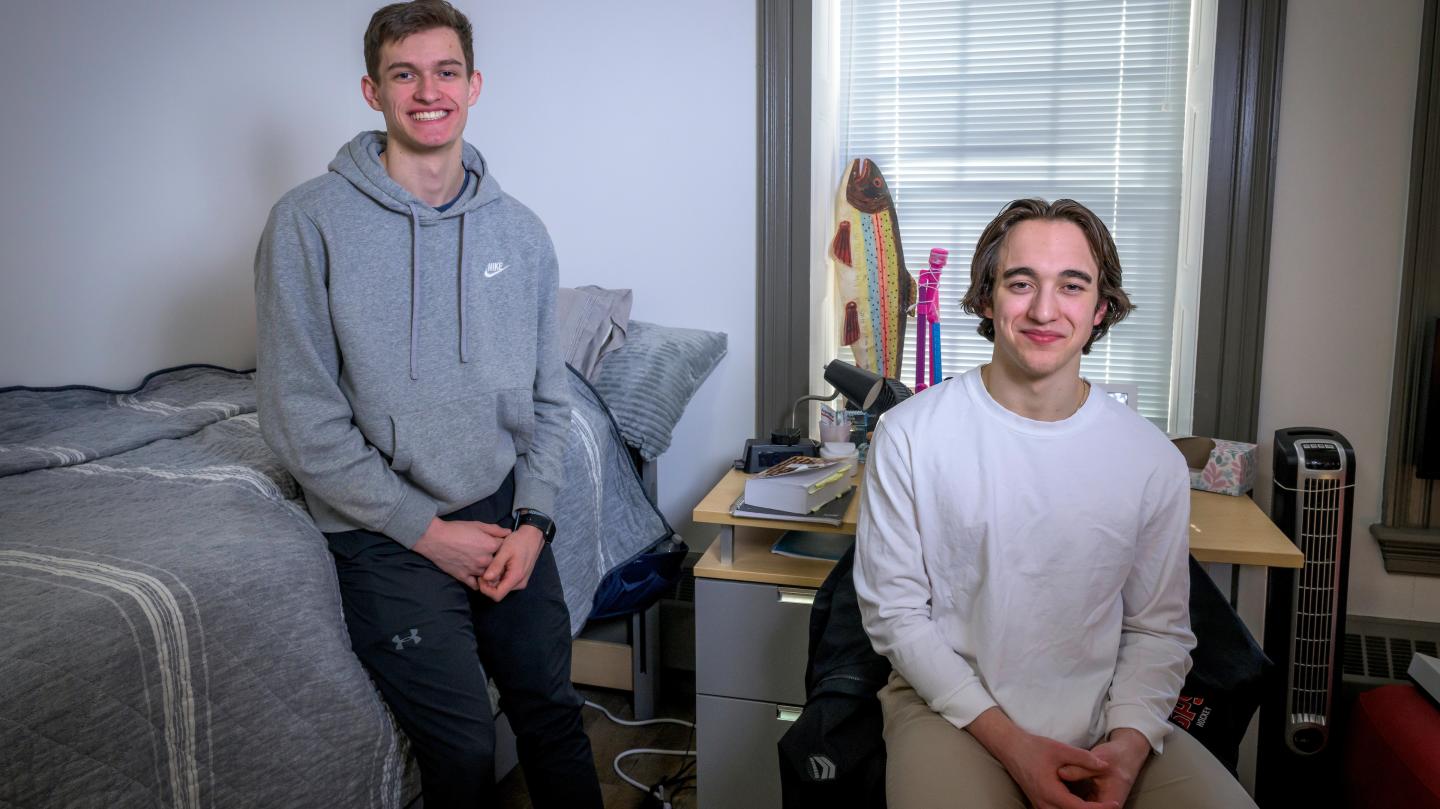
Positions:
{"x": 424, "y": 637}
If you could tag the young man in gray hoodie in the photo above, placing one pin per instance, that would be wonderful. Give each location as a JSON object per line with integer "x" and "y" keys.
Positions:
{"x": 408, "y": 377}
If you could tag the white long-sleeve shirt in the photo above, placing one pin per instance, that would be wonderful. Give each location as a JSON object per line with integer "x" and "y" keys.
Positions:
{"x": 1037, "y": 566}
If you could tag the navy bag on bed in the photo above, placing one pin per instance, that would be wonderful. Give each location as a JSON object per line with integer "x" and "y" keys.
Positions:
{"x": 640, "y": 582}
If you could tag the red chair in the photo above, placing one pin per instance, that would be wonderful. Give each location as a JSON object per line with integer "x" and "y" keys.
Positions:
{"x": 1392, "y": 753}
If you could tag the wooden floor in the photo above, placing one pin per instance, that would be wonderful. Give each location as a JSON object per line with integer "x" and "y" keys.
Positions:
{"x": 607, "y": 739}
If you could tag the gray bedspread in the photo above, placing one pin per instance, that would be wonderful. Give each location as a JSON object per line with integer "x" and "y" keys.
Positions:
{"x": 170, "y": 626}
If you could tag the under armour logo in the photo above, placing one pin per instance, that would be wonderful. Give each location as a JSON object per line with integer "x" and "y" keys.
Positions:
{"x": 413, "y": 637}
{"x": 821, "y": 768}
{"x": 495, "y": 268}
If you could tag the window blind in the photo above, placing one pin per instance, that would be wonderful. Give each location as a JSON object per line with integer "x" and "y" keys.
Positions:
{"x": 968, "y": 104}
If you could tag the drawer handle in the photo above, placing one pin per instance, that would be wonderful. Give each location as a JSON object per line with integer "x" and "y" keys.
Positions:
{"x": 786, "y": 713}
{"x": 795, "y": 595}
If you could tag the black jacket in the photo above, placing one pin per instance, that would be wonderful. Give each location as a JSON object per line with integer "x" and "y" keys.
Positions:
{"x": 834, "y": 754}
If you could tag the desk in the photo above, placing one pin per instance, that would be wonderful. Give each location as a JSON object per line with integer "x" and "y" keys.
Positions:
{"x": 1223, "y": 529}
{"x": 743, "y": 622}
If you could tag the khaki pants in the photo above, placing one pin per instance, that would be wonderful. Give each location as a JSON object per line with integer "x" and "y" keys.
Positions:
{"x": 932, "y": 764}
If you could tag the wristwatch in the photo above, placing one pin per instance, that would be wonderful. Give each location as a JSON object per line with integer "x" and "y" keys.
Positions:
{"x": 544, "y": 524}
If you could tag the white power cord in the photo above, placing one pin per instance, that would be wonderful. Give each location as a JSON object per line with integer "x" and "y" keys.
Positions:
{"x": 657, "y": 791}
{"x": 637, "y": 722}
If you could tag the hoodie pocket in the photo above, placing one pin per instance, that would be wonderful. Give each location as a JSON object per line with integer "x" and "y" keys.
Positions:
{"x": 517, "y": 417}
{"x": 455, "y": 451}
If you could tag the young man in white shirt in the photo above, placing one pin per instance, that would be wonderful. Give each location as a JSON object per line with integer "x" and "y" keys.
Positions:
{"x": 1021, "y": 556}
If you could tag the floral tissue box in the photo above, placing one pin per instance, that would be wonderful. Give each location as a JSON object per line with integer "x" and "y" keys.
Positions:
{"x": 1224, "y": 467}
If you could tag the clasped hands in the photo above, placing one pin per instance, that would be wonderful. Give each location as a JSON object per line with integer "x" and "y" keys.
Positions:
{"x": 1054, "y": 775}
{"x": 484, "y": 557}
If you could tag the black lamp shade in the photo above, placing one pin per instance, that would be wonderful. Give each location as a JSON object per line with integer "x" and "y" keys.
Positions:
{"x": 892, "y": 392}
{"x": 855, "y": 384}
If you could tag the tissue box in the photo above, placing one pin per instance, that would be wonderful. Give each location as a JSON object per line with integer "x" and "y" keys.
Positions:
{"x": 1224, "y": 467}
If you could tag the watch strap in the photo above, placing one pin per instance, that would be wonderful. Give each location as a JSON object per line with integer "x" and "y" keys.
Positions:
{"x": 541, "y": 522}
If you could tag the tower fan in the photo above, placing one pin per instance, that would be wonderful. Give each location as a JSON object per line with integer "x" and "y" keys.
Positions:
{"x": 1312, "y": 502}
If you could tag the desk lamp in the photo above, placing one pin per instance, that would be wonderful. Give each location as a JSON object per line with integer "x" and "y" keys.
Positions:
{"x": 866, "y": 390}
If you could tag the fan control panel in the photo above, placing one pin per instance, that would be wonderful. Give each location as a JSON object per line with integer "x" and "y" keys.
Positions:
{"x": 1320, "y": 455}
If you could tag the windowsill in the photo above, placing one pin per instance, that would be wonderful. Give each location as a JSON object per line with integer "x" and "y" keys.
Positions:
{"x": 1413, "y": 551}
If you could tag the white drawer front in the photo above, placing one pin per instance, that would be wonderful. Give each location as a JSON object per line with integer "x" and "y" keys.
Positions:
{"x": 739, "y": 763}
{"x": 751, "y": 640}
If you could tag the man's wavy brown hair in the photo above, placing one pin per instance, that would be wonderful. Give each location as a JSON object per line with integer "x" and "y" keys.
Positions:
{"x": 986, "y": 264}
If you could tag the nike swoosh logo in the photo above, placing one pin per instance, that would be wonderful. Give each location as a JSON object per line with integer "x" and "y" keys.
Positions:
{"x": 495, "y": 269}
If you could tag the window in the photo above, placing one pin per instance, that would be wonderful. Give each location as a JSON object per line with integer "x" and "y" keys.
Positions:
{"x": 968, "y": 104}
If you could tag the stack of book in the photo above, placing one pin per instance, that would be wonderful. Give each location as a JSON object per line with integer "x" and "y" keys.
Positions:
{"x": 799, "y": 489}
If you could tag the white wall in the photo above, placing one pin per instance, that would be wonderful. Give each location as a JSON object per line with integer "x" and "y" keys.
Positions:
{"x": 1337, "y": 244}
{"x": 144, "y": 146}
{"x": 630, "y": 128}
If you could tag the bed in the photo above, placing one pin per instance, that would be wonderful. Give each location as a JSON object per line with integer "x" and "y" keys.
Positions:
{"x": 171, "y": 621}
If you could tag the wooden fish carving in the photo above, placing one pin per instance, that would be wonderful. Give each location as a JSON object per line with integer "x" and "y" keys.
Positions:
{"x": 876, "y": 292}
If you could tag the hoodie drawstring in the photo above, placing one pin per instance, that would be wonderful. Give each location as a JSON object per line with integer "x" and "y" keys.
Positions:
{"x": 414, "y": 293}
{"x": 359, "y": 163}
{"x": 464, "y": 299}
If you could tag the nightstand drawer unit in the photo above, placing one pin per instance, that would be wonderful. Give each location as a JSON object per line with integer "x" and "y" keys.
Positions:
{"x": 751, "y": 642}
{"x": 752, "y": 638}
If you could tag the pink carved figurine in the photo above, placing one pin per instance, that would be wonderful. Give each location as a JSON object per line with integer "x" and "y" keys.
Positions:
{"x": 927, "y": 312}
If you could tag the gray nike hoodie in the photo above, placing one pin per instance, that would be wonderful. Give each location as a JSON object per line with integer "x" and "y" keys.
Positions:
{"x": 407, "y": 357}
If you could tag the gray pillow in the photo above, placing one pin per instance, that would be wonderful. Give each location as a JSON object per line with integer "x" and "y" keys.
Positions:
{"x": 648, "y": 382}
{"x": 591, "y": 323}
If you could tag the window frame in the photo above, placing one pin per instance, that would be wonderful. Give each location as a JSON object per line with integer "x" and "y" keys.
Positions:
{"x": 1408, "y": 532}
{"x": 1249, "y": 39}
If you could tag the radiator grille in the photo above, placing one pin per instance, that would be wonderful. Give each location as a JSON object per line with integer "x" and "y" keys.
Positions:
{"x": 1383, "y": 657}
{"x": 1354, "y": 664}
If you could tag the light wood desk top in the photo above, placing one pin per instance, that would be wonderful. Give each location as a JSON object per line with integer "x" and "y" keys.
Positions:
{"x": 1224, "y": 529}
{"x": 1234, "y": 530}
{"x": 715, "y": 508}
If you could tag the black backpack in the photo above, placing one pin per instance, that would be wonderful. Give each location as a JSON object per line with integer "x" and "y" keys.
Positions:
{"x": 834, "y": 754}
{"x": 1227, "y": 676}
